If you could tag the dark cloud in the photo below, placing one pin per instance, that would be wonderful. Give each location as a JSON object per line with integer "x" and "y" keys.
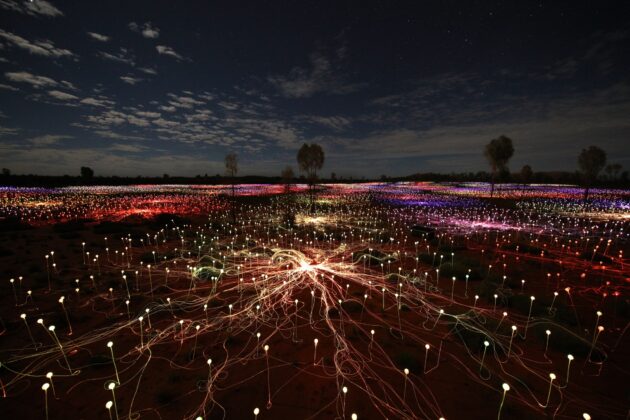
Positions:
{"x": 41, "y": 47}
{"x": 392, "y": 88}
{"x": 32, "y": 8}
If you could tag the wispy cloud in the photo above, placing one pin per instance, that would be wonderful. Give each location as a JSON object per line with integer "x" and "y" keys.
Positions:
{"x": 337, "y": 123}
{"x": 130, "y": 79}
{"x": 32, "y": 8}
{"x": 165, "y": 50}
{"x": 98, "y": 37}
{"x": 323, "y": 75}
{"x": 122, "y": 56}
{"x": 113, "y": 160}
{"x": 129, "y": 148}
{"x": 8, "y": 87}
{"x": 39, "y": 82}
{"x": 62, "y": 96}
{"x": 148, "y": 114}
{"x": 180, "y": 101}
{"x": 100, "y": 102}
{"x": 148, "y": 70}
{"x": 43, "y": 47}
{"x": 201, "y": 118}
{"x": 32, "y": 79}
{"x": 147, "y": 29}
{"x": 47, "y": 139}
{"x": 569, "y": 122}
{"x": 8, "y": 131}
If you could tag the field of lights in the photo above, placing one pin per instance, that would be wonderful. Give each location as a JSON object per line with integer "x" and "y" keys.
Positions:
{"x": 382, "y": 301}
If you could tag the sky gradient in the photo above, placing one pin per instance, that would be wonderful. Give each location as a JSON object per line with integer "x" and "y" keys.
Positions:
{"x": 151, "y": 87}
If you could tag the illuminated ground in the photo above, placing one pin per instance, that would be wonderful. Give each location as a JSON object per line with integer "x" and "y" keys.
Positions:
{"x": 419, "y": 297}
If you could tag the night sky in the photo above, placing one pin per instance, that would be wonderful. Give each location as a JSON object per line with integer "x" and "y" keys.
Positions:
{"x": 152, "y": 87}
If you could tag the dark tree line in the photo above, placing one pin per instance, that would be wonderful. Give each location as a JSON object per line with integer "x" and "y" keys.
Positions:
{"x": 592, "y": 164}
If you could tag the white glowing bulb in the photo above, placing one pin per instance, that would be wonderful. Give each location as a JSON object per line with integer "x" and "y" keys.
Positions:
{"x": 506, "y": 387}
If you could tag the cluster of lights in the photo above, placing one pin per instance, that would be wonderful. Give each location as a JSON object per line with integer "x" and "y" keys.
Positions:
{"x": 237, "y": 299}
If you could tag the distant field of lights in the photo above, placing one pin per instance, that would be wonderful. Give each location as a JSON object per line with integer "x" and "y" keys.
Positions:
{"x": 410, "y": 300}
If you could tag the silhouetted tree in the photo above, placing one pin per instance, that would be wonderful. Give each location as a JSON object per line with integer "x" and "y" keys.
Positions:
{"x": 87, "y": 172}
{"x": 591, "y": 161}
{"x": 231, "y": 168}
{"x": 333, "y": 176}
{"x": 6, "y": 172}
{"x": 310, "y": 159}
{"x": 287, "y": 177}
{"x": 526, "y": 174}
{"x": 616, "y": 169}
{"x": 498, "y": 152}
{"x": 612, "y": 171}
